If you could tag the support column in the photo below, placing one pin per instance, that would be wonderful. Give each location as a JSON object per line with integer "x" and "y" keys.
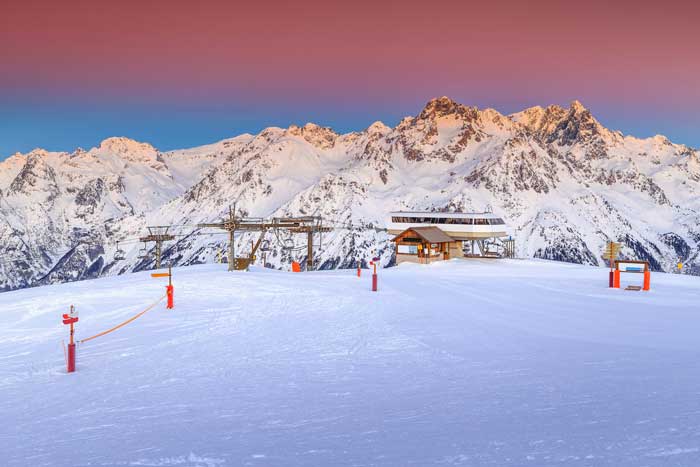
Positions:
{"x": 310, "y": 251}
{"x": 158, "y": 251}
{"x": 231, "y": 249}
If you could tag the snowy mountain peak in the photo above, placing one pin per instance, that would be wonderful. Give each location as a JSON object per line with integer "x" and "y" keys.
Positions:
{"x": 577, "y": 106}
{"x": 36, "y": 178}
{"x": 564, "y": 126}
{"x": 128, "y": 149}
{"x": 440, "y": 107}
{"x": 378, "y": 128}
{"x": 321, "y": 137}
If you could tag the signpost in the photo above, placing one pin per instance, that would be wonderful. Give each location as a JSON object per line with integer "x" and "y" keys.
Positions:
{"x": 70, "y": 319}
{"x": 612, "y": 249}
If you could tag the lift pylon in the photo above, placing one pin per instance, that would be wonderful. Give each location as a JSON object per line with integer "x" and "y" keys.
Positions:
{"x": 158, "y": 235}
{"x": 295, "y": 225}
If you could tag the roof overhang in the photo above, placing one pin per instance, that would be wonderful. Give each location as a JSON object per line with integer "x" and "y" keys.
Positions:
{"x": 428, "y": 234}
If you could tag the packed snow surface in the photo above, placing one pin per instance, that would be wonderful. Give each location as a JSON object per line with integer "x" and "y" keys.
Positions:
{"x": 467, "y": 362}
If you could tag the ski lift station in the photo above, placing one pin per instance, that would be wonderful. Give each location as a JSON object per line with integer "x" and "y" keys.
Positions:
{"x": 423, "y": 237}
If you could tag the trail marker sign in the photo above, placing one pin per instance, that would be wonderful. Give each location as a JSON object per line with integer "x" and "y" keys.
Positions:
{"x": 612, "y": 249}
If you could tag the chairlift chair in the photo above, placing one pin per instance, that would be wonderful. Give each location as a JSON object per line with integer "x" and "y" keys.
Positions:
{"x": 119, "y": 254}
{"x": 143, "y": 253}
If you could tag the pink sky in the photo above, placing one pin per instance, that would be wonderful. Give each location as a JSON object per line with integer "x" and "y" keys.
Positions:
{"x": 619, "y": 57}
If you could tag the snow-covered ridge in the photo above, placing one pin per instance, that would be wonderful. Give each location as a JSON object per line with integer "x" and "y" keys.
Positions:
{"x": 563, "y": 182}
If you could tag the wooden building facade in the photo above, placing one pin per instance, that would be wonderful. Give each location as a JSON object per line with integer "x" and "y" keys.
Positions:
{"x": 425, "y": 245}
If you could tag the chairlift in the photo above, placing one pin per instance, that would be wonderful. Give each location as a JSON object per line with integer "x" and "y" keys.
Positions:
{"x": 119, "y": 254}
{"x": 143, "y": 253}
{"x": 288, "y": 244}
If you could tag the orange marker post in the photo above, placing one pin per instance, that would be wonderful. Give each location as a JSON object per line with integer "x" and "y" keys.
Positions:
{"x": 169, "y": 289}
{"x": 647, "y": 280}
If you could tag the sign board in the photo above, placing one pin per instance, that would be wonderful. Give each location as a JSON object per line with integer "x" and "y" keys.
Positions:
{"x": 67, "y": 319}
{"x": 612, "y": 249}
{"x": 631, "y": 266}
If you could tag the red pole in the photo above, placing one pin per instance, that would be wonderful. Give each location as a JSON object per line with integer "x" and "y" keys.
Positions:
{"x": 70, "y": 319}
{"x": 71, "y": 358}
{"x": 170, "y": 292}
{"x": 374, "y": 275}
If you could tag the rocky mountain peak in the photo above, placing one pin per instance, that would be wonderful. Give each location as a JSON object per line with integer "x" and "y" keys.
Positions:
{"x": 378, "y": 128}
{"x": 577, "y": 126}
{"x": 129, "y": 149}
{"x": 556, "y": 124}
{"x": 443, "y": 106}
{"x": 321, "y": 137}
{"x": 577, "y": 107}
{"x": 35, "y": 176}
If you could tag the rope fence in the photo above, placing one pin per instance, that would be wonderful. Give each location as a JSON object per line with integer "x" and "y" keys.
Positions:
{"x": 136, "y": 316}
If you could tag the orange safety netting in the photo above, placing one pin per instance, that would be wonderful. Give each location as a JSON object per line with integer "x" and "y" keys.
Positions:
{"x": 125, "y": 322}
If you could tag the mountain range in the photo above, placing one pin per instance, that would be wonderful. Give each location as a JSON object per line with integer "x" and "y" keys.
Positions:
{"x": 563, "y": 182}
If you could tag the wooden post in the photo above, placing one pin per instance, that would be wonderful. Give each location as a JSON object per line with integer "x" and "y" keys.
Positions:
{"x": 231, "y": 249}
{"x": 158, "y": 249}
{"x": 310, "y": 250}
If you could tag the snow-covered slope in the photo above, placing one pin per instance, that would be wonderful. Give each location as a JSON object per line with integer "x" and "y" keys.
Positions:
{"x": 445, "y": 365}
{"x": 564, "y": 183}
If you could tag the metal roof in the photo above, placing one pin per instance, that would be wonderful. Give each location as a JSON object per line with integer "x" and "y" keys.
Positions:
{"x": 452, "y": 215}
{"x": 429, "y": 234}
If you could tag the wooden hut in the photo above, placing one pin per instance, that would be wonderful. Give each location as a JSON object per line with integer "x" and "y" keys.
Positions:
{"x": 424, "y": 245}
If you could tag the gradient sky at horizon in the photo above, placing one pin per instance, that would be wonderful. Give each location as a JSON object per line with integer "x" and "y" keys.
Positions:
{"x": 181, "y": 74}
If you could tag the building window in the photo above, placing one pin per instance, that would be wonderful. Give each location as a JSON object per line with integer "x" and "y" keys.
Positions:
{"x": 407, "y": 249}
